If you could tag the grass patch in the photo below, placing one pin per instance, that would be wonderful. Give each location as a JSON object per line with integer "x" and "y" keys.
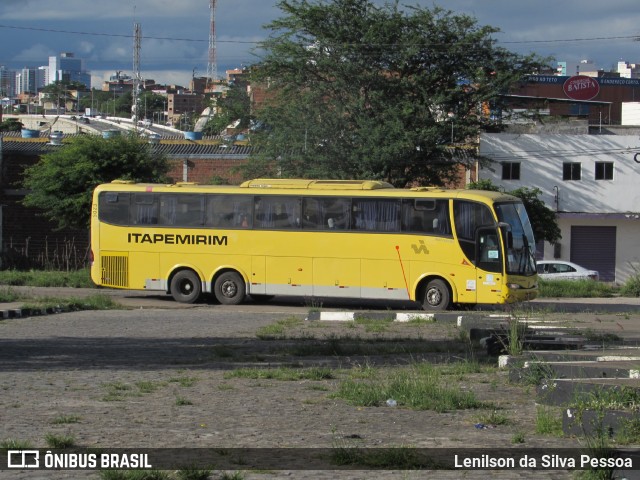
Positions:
{"x": 616, "y": 398}
{"x": 576, "y": 289}
{"x": 134, "y": 475}
{"x": 281, "y": 373}
{"x": 13, "y": 444}
{"x": 419, "y": 387}
{"x": 92, "y": 302}
{"x": 374, "y": 325}
{"x": 8, "y": 295}
{"x": 65, "y": 419}
{"x": 182, "y": 402}
{"x": 494, "y": 418}
{"x": 548, "y": 421}
{"x": 59, "y": 441}
{"x": 629, "y": 433}
{"x": 184, "y": 381}
{"x": 47, "y": 278}
{"x": 278, "y": 329}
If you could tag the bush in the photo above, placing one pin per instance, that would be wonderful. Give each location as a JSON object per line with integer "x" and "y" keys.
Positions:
{"x": 631, "y": 287}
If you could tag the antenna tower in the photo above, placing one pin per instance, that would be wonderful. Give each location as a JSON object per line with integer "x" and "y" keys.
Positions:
{"x": 137, "y": 77}
{"x": 212, "y": 67}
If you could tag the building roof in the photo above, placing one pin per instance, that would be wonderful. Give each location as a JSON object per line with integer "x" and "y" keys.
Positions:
{"x": 12, "y": 142}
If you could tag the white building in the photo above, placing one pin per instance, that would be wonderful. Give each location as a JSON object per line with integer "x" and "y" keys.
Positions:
{"x": 591, "y": 181}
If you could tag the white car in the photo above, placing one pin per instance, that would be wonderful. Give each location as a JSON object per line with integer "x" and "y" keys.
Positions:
{"x": 563, "y": 270}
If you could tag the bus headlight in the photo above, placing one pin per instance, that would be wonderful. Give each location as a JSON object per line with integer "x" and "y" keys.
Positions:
{"x": 513, "y": 286}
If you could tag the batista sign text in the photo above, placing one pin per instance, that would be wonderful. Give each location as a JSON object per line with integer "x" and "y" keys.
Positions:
{"x": 581, "y": 87}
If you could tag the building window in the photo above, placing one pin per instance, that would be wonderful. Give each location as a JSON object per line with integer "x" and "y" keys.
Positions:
{"x": 571, "y": 171}
{"x": 604, "y": 170}
{"x": 510, "y": 170}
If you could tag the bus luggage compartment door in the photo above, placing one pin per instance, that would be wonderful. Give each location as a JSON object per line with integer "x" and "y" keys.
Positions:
{"x": 288, "y": 276}
{"x": 336, "y": 277}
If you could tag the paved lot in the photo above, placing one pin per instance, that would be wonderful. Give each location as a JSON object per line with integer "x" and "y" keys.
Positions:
{"x": 157, "y": 376}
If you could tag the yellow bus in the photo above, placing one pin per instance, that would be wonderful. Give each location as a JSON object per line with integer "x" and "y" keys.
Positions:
{"x": 314, "y": 238}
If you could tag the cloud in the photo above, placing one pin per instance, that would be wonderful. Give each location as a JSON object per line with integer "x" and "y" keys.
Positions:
{"x": 35, "y": 55}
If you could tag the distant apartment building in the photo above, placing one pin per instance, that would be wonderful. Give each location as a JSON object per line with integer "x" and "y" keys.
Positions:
{"x": 7, "y": 82}
{"x": 628, "y": 70}
{"x": 584, "y": 67}
{"x": 66, "y": 67}
{"x": 182, "y": 105}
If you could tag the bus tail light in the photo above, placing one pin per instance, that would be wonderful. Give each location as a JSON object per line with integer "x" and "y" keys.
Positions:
{"x": 91, "y": 257}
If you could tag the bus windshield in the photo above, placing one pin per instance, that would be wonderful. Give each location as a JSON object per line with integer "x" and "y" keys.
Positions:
{"x": 521, "y": 246}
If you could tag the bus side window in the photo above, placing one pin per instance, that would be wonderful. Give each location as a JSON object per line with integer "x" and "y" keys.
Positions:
{"x": 310, "y": 214}
{"x": 145, "y": 209}
{"x": 114, "y": 207}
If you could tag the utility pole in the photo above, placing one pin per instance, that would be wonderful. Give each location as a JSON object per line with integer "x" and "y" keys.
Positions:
{"x": 212, "y": 66}
{"x": 137, "y": 34}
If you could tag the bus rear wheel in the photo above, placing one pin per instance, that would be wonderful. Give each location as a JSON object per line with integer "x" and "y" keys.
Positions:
{"x": 229, "y": 288}
{"x": 186, "y": 286}
{"x": 436, "y": 296}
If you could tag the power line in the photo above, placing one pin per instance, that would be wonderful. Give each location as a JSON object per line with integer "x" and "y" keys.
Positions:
{"x": 255, "y": 42}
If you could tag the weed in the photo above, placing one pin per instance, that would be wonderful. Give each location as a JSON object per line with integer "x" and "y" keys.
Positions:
{"x": 47, "y": 278}
{"x": 134, "y": 475}
{"x": 193, "y": 474}
{"x": 232, "y": 476}
{"x": 184, "y": 381}
{"x": 282, "y": 373}
{"x": 575, "y": 289}
{"x": 372, "y": 325}
{"x": 147, "y": 386}
{"x": 181, "y": 402}
{"x": 13, "y": 444}
{"x": 548, "y": 421}
{"x": 417, "y": 386}
{"x": 92, "y": 302}
{"x": 277, "y": 330}
{"x": 64, "y": 419}
{"x": 494, "y": 418}
{"x": 629, "y": 432}
{"x": 59, "y": 441}
{"x": 8, "y": 295}
{"x": 631, "y": 287}
{"x": 517, "y": 437}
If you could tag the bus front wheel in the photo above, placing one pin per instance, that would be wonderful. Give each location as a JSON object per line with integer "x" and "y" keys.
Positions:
{"x": 436, "y": 296}
{"x": 186, "y": 286}
{"x": 229, "y": 288}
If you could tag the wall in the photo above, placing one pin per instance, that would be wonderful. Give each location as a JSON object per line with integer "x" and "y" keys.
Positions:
{"x": 603, "y": 202}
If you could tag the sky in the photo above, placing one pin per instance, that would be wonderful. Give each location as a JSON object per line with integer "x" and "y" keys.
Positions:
{"x": 175, "y": 33}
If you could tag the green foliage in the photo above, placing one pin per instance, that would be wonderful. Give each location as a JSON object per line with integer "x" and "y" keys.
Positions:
{"x": 543, "y": 220}
{"x": 11, "y": 125}
{"x": 419, "y": 386}
{"x": 62, "y": 182}
{"x": 631, "y": 287}
{"x": 575, "y": 289}
{"x": 358, "y": 90}
{"x": 234, "y": 105}
{"x": 48, "y": 278}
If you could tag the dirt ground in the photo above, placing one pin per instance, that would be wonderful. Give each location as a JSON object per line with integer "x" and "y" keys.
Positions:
{"x": 157, "y": 378}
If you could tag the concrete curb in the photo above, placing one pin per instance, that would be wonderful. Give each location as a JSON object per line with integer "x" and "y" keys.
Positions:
{"x": 30, "y": 312}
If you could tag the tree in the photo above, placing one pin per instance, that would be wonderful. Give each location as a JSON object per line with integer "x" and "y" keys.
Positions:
{"x": 62, "y": 182}
{"x": 58, "y": 92}
{"x": 11, "y": 125}
{"x": 361, "y": 91}
{"x": 543, "y": 220}
{"x": 234, "y": 105}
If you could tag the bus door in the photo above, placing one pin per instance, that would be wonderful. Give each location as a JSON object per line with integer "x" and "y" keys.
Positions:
{"x": 489, "y": 263}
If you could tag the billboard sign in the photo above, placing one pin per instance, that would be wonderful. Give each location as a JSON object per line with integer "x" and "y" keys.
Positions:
{"x": 581, "y": 87}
